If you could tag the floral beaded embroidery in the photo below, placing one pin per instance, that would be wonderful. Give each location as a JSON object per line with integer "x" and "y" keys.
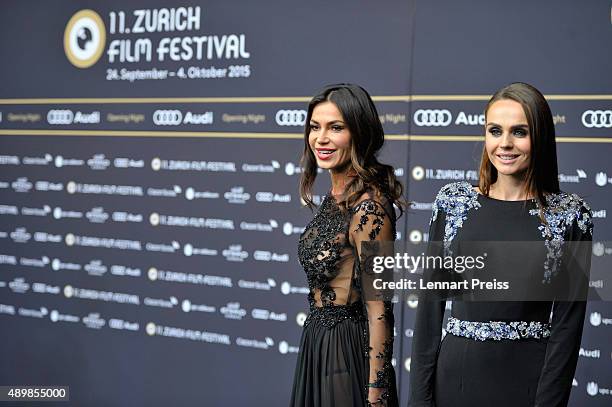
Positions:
{"x": 497, "y": 330}
{"x": 383, "y": 377}
{"x": 370, "y": 207}
{"x": 561, "y": 211}
{"x": 366, "y": 209}
{"x": 331, "y": 316}
{"x": 320, "y": 248}
{"x": 455, "y": 200}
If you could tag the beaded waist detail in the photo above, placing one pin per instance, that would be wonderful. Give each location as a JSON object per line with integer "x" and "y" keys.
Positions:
{"x": 497, "y": 330}
{"x": 330, "y": 315}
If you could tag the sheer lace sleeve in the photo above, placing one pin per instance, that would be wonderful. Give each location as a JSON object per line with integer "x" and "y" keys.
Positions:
{"x": 371, "y": 221}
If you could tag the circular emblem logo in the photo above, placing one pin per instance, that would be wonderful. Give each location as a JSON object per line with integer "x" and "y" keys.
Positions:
{"x": 84, "y": 38}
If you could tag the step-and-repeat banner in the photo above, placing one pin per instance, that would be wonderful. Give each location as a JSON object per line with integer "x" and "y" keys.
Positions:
{"x": 149, "y": 165}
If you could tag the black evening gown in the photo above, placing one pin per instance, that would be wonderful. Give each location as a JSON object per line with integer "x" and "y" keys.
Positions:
{"x": 537, "y": 370}
{"x": 347, "y": 341}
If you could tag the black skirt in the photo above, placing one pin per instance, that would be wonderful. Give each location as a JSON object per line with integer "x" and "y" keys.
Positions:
{"x": 488, "y": 373}
{"x": 332, "y": 368}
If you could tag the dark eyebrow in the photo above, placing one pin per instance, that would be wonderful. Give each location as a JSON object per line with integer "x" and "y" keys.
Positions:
{"x": 518, "y": 126}
{"x": 330, "y": 123}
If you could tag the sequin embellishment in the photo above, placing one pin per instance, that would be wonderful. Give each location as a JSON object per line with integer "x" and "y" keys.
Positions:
{"x": 366, "y": 209}
{"x": 325, "y": 245}
{"x": 320, "y": 248}
{"x": 331, "y": 316}
{"x": 497, "y": 330}
{"x": 561, "y": 212}
{"x": 455, "y": 200}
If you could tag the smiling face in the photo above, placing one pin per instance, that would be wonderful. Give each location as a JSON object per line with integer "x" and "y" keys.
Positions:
{"x": 507, "y": 139}
{"x": 329, "y": 137}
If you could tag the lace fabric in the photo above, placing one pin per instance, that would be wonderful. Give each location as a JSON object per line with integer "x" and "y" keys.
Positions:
{"x": 329, "y": 250}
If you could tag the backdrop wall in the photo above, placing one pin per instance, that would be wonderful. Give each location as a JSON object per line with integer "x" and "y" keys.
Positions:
{"x": 149, "y": 167}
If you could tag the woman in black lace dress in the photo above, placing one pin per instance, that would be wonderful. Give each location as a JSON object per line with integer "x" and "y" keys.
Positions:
{"x": 347, "y": 342}
{"x": 508, "y": 353}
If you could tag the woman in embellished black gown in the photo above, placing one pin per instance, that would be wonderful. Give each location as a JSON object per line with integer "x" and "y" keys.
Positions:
{"x": 508, "y": 353}
{"x": 347, "y": 342}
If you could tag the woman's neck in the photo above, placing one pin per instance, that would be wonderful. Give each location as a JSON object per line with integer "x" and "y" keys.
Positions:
{"x": 339, "y": 181}
{"x": 509, "y": 188}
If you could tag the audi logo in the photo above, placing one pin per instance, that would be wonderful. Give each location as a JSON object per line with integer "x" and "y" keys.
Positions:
{"x": 291, "y": 117}
{"x": 432, "y": 117}
{"x": 167, "y": 117}
{"x": 597, "y": 118}
{"x": 60, "y": 116}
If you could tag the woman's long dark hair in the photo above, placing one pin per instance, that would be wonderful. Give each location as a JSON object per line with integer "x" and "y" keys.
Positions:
{"x": 367, "y": 137}
{"x": 542, "y": 175}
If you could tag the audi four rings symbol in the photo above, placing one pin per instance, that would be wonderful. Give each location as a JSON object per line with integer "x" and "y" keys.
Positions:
{"x": 597, "y": 118}
{"x": 60, "y": 116}
{"x": 432, "y": 117}
{"x": 291, "y": 117}
{"x": 167, "y": 117}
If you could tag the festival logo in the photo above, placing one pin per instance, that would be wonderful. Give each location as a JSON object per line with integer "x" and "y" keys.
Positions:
{"x": 84, "y": 38}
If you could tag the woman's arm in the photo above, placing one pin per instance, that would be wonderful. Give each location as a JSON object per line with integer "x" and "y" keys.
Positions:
{"x": 371, "y": 223}
{"x": 563, "y": 345}
{"x": 428, "y": 325}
